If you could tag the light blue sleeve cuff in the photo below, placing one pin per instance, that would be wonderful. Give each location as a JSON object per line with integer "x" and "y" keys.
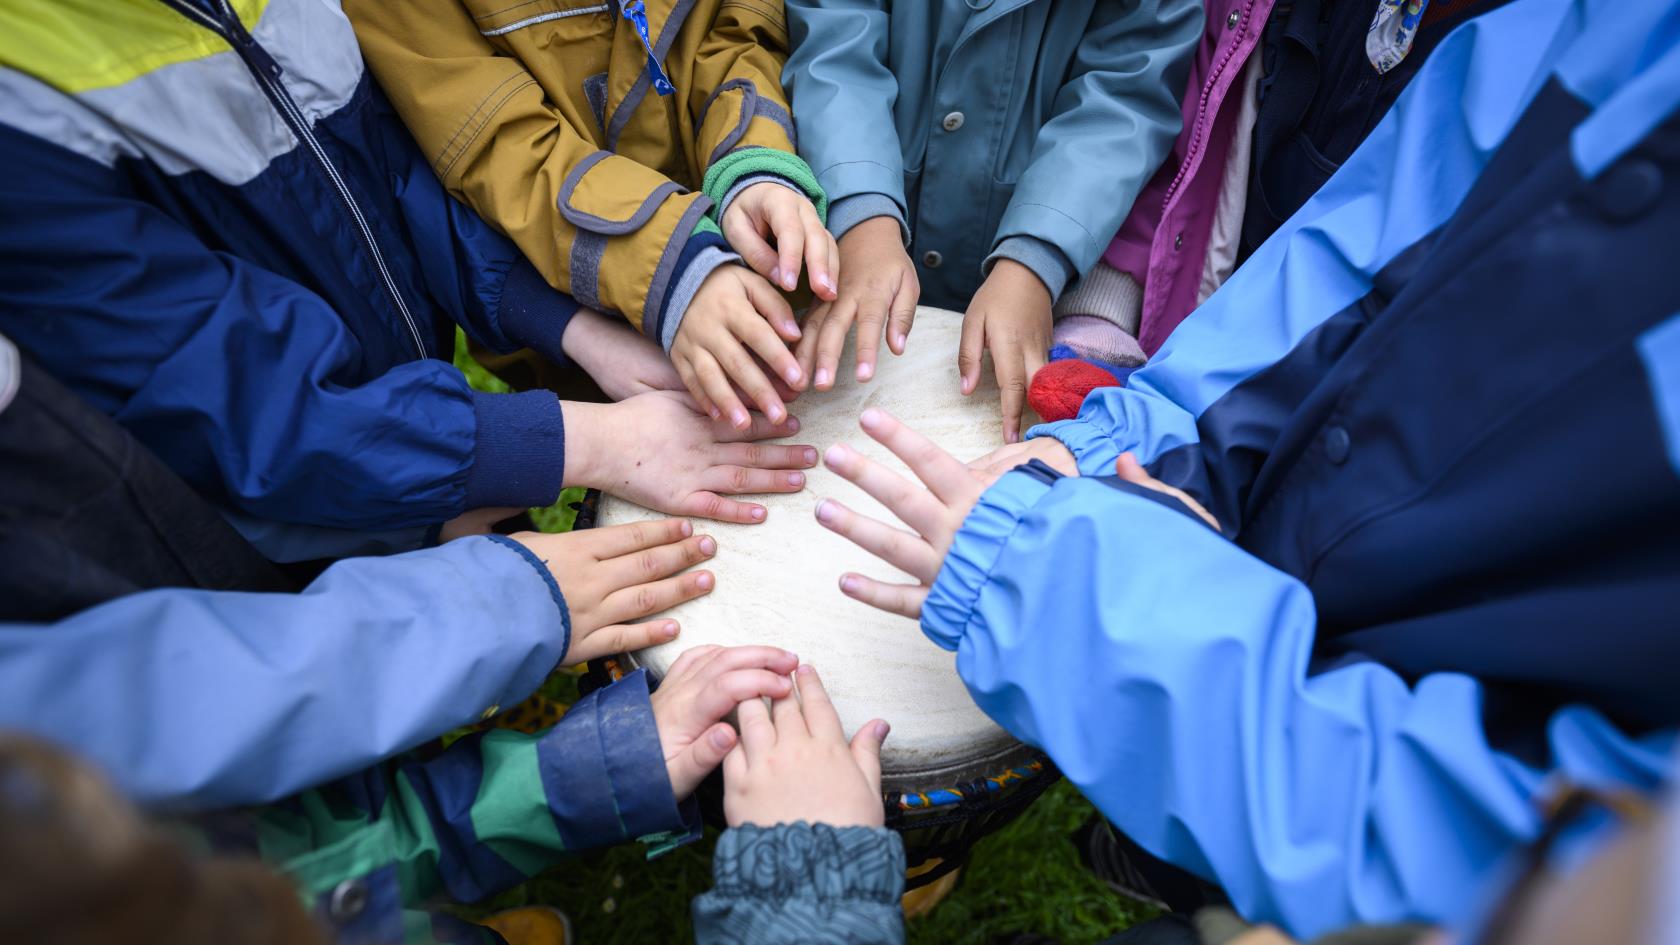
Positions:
{"x": 1048, "y": 263}
{"x": 975, "y": 550}
{"x": 1092, "y": 448}
{"x": 688, "y": 285}
{"x": 848, "y": 212}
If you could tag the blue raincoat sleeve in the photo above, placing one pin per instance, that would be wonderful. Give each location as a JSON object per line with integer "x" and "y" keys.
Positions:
{"x": 246, "y": 383}
{"x": 206, "y": 699}
{"x": 1404, "y": 182}
{"x": 1166, "y": 671}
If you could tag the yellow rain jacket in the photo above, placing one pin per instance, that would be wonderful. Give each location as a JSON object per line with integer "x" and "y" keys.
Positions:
{"x": 602, "y": 149}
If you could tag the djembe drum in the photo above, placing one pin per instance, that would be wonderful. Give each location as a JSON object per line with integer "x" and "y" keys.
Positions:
{"x": 950, "y": 775}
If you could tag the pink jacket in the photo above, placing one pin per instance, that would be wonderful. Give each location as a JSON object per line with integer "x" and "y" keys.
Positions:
{"x": 1164, "y": 241}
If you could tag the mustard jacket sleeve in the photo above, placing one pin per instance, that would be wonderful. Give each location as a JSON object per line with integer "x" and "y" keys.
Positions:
{"x": 736, "y": 99}
{"x": 527, "y": 163}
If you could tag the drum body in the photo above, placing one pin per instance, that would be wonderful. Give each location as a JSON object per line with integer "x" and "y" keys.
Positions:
{"x": 778, "y": 585}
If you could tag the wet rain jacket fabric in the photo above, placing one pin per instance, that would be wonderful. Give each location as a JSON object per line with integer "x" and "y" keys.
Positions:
{"x": 1438, "y": 417}
{"x": 214, "y": 228}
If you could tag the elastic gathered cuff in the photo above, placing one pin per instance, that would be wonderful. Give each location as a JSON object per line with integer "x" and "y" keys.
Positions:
{"x": 1092, "y": 449}
{"x": 704, "y": 253}
{"x": 548, "y": 579}
{"x": 603, "y": 771}
{"x": 1105, "y": 293}
{"x": 975, "y": 550}
{"x": 533, "y": 313}
{"x": 1047, "y": 262}
{"x": 744, "y": 182}
{"x": 848, "y": 212}
{"x": 809, "y": 861}
{"x": 519, "y": 453}
{"x": 747, "y": 162}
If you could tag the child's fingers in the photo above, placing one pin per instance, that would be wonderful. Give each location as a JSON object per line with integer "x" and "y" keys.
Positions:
{"x": 716, "y": 385}
{"x": 914, "y": 506}
{"x": 833, "y": 342}
{"x": 871, "y": 317}
{"x": 866, "y": 750}
{"x": 968, "y": 350}
{"x": 660, "y": 561}
{"x": 901, "y": 549}
{"x": 705, "y": 504}
{"x": 634, "y": 603}
{"x": 1129, "y": 469}
{"x": 1012, "y": 389}
{"x": 703, "y": 755}
{"x": 745, "y": 239}
{"x": 621, "y": 638}
{"x": 770, "y": 349}
{"x": 789, "y": 228}
{"x": 696, "y": 390}
{"x": 745, "y": 480}
{"x": 789, "y": 718}
{"x": 768, "y": 456}
{"x": 690, "y": 659}
{"x": 902, "y": 314}
{"x": 806, "y": 351}
{"x": 820, "y": 717}
{"x": 760, "y": 429}
{"x": 902, "y": 599}
{"x": 820, "y": 251}
{"x": 943, "y": 473}
{"x": 770, "y": 306}
{"x": 615, "y": 540}
{"x": 735, "y": 764}
{"x": 745, "y": 372}
{"x": 758, "y": 733}
{"x": 773, "y": 659}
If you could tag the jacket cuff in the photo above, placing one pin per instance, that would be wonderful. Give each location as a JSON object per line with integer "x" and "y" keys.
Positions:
{"x": 519, "y": 454}
{"x": 1092, "y": 448}
{"x": 816, "y": 861}
{"x": 533, "y": 313}
{"x": 603, "y": 771}
{"x": 1047, "y": 262}
{"x": 848, "y": 212}
{"x": 746, "y": 162}
{"x": 976, "y": 547}
{"x": 744, "y": 182}
{"x": 542, "y": 569}
{"x": 704, "y": 252}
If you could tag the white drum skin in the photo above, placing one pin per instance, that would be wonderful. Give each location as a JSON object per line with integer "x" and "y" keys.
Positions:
{"x": 778, "y": 582}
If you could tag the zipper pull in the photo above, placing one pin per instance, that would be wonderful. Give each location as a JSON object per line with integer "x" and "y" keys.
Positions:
{"x": 636, "y": 12}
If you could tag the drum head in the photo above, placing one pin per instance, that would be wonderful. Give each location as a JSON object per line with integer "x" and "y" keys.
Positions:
{"x": 778, "y": 582}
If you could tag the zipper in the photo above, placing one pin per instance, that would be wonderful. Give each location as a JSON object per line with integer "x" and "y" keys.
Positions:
{"x": 1039, "y": 470}
{"x": 267, "y": 72}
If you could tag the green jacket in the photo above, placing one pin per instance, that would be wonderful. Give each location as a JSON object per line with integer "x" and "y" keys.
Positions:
{"x": 492, "y": 810}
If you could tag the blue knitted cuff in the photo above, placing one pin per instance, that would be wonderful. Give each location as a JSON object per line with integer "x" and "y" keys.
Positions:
{"x": 519, "y": 455}
{"x": 533, "y": 313}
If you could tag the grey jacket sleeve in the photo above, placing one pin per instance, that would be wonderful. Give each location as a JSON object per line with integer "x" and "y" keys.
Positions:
{"x": 804, "y": 883}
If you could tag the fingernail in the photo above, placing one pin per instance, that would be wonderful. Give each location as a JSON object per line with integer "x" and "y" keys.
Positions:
{"x": 793, "y": 375}
{"x": 834, "y": 455}
{"x": 796, "y": 479}
{"x": 804, "y": 669}
{"x": 687, "y": 528}
{"x": 810, "y": 457}
{"x": 825, "y": 511}
{"x": 822, "y": 377}
{"x": 828, "y": 283}
{"x": 757, "y": 514}
{"x": 881, "y": 730}
{"x": 738, "y": 418}
{"x": 776, "y": 274}
{"x": 898, "y": 341}
{"x": 870, "y": 417}
{"x": 848, "y": 584}
{"x": 716, "y": 415}
{"x": 721, "y": 739}
{"x": 792, "y": 424}
{"x": 788, "y": 282}
{"x": 792, "y": 328}
{"x": 704, "y": 581}
{"x": 967, "y": 386}
{"x": 707, "y": 545}
{"x": 777, "y": 413}
{"x": 670, "y": 630}
{"x": 865, "y": 371}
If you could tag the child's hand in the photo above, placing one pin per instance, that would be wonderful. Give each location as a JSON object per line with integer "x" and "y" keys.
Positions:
{"x": 878, "y": 287}
{"x": 702, "y": 687}
{"x": 935, "y": 512}
{"x": 793, "y": 764}
{"x": 778, "y": 211}
{"x": 1050, "y": 450}
{"x": 728, "y": 322}
{"x": 620, "y": 359}
{"x": 1128, "y": 468}
{"x": 1010, "y": 316}
{"x": 611, "y": 577}
{"x": 658, "y": 451}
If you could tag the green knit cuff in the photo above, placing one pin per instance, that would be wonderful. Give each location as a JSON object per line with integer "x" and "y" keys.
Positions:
{"x": 706, "y": 225}
{"x": 747, "y": 161}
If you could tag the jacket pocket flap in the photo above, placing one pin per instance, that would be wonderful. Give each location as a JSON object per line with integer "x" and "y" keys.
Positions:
{"x": 618, "y": 199}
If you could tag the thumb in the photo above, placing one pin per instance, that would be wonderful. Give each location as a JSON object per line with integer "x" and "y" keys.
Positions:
{"x": 698, "y": 758}
{"x": 866, "y": 751}
{"x": 1128, "y": 468}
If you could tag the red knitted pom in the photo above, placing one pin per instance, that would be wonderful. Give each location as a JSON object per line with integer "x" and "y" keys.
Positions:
{"x": 1060, "y": 387}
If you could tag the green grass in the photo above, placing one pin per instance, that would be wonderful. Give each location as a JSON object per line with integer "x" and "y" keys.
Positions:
{"x": 1026, "y": 877}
